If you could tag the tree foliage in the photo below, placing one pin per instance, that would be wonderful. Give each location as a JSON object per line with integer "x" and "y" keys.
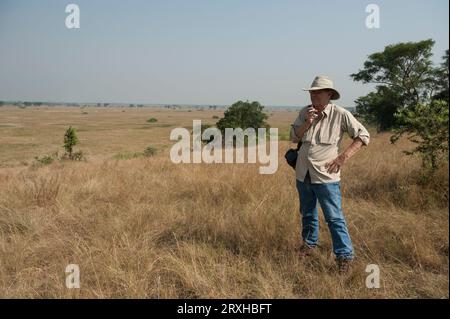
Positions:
{"x": 440, "y": 84}
{"x": 411, "y": 97}
{"x": 70, "y": 140}
{"x": 379, "y": 107}
{"x": 243, "y": 115}
{"x": 404, "y": 76}
{"x": 427, "y": 126}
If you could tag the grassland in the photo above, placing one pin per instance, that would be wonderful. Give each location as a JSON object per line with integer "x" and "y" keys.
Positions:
{"x": 144, "y": 227}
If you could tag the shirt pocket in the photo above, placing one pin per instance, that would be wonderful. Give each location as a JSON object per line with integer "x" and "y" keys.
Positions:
{"x": 329, "y": 134}
{"x": 308, "y": 136}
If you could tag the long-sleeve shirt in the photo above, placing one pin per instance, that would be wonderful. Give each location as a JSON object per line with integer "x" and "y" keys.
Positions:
{"x": 321, "y": 142}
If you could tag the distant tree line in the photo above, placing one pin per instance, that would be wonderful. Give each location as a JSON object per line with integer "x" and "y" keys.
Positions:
{"x": 82, "y": 105}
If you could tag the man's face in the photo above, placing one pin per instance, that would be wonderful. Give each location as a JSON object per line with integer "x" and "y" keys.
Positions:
{"x": 320, "y": 98}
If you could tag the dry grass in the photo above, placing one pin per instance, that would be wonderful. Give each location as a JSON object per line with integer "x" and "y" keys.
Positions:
{"x": 147, "y": 228}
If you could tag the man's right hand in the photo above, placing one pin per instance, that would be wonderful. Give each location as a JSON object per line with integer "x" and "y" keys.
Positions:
{"x": 311, "y": 115}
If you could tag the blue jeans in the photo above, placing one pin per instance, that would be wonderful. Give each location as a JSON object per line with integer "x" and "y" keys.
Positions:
{"x": 329, "y": 196}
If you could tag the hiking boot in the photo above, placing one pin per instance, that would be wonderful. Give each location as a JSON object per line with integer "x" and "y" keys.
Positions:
{"x": 306, "y": 250}
{"x": 344, "y": 265}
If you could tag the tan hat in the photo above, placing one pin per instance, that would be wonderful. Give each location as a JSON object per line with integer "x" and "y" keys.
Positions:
{"x": 322, "y": 82}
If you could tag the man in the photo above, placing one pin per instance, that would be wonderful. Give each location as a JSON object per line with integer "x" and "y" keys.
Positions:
{"x": 320, "y": 128}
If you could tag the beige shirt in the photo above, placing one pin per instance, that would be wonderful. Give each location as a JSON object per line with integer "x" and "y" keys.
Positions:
{"x": 321, "y": 142}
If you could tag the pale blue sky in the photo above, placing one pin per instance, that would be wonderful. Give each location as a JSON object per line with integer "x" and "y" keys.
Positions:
{"x": 200, "y": 52}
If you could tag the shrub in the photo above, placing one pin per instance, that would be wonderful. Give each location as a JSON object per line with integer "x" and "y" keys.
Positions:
{"x": 45, "y": 159}
{"x": 70, "y": 140}
{"x": 152, "y": 120}
{"x": 150, "y": 151}
{"x": 426, "y": 125}
{"x": 78, "y": 156}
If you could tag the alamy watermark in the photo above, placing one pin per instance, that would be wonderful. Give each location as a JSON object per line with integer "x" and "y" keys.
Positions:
{"x": 73, "y": 19}
{"x": 373, "y": 279}
{"x": 212, "y": 152}
{"x": 373, "y": 19}
{"x": 72, "y": 276}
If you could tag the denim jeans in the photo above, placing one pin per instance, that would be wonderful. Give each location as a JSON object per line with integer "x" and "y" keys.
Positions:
{"x": 329, "y": 196}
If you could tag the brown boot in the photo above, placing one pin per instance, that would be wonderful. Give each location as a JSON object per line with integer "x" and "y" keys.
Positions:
{"x": 306, "y": 250}
{"x": 344, "y": 265}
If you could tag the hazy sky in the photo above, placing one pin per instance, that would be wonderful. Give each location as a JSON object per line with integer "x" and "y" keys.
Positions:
{"x": 200, "y": 52}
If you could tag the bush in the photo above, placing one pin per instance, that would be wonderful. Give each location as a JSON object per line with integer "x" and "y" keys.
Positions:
{"x": 45, "y": 159}
{"x": 152, "y": 120}
{"x": 70, "y": 140}
{"x": 426, "y": 125}
{"x": 78, "y": 156}
{"x": 150, "y": 151}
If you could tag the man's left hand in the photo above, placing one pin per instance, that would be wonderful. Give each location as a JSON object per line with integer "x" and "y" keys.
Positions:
{"x": 335, "y": 165}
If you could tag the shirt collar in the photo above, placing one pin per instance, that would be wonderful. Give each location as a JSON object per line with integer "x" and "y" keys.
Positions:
{"x": 327, "y": 109}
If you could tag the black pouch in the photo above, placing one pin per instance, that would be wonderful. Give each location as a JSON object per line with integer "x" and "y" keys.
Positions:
{"x": 292, "y": 154}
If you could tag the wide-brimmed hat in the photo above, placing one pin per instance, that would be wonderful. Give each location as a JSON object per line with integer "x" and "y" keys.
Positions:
{"x": 322, "y": 82}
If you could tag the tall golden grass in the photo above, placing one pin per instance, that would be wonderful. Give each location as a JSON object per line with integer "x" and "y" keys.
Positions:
{"x": 148, "y": 228}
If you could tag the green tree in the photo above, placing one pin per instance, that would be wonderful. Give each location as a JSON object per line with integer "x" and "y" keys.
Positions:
{"x": 427, "y": 126}
{"x": 243, "y": 115}
{"x": 403, "y": 71}
{"x": 377, "y": 108}
{"x": 70, "y": 140}
{"x": 440, "y": 84}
